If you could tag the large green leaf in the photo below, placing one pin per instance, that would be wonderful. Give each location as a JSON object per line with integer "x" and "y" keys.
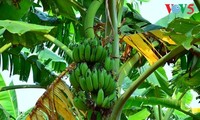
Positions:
{"x": 41, "y": 74}
{"x": 186, "y": 100}
{"x": 162, "y": 79}
{"x": 184, "y": 32}
{"x": 65, "y": 8}
{"x": 187, "y": 80}
{"x": 126, "y": 67}
{"x": 3, "y": 114}
{"x": 24, "y": 115}
{"x": 196, "y": 17}
{"x": 151, "y": 78}
{"x": 9, "y": 11}
{"x": 8, "y": 100}
{"x": 55, "y": 63}
{"x": 22, "y": 33}
{"x": 20, "y": 61}
{"x": 19, "y": 27}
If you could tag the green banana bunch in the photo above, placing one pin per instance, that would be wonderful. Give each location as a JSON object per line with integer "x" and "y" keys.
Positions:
{"x": 89, "y": 52}
{"x": 100, "y": 97}
{"x": 80, "y": 103}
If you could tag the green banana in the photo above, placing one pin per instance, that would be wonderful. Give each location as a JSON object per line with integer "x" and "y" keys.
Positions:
{"x": 87, "y": 53}
{"x": 107, "y": 78}
{"x": 89, "y": 114}
{"x": 99, "y": 116}
{"x": 99, "y": 53}
{"x": 81, "y": 95}
{"x": 75, "y": 54}
{"x": 112, "y": 96}
{"x": 77, "y": 73}
{"x": 106, "y": 103}
{"x": 82, "y": 83}
{"x": 101, "y": 78}
{"x": 93, "y": 43}
{"x": 88, "y": 72}
{"x": 93, "y": 54}
{"x": 100, "y": 97}
{"x": 112, "y": 63}
{"x": 111, "y": 87}
{"x": 89, "y": 83}
{"x": 83, "y": 68}
{"x": 107, "y": 64}
{"x": 95, "y": 81}
{"x": 82, "y": 52}
{"x": 74, "y": 81}
{"x": 104, "y": 55}
{"x": 80, "y": 104}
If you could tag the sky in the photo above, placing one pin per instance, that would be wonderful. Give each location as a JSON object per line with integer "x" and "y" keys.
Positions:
{"x": 152, "y": 11}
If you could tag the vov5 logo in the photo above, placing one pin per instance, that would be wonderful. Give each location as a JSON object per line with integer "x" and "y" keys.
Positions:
{"x": 176, "y": 8}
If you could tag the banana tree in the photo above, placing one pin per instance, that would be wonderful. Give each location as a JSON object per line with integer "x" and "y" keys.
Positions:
{"x": 99, "y": 60}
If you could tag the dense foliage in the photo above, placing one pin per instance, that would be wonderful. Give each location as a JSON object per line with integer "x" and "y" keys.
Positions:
{"x": 112, "y": 57}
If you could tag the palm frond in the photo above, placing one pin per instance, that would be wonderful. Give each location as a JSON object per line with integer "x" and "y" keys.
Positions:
{"x": 56, "y": 102}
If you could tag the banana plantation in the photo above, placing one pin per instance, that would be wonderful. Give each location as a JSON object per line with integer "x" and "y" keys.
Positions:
{"x": 99, "y": 60}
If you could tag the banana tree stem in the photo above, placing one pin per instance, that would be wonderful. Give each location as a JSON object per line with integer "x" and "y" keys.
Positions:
{"x": 59, "y": 44}
{"x": 116, "y": 113}
{"x": 20, "y": 87}
{"x": 115, "y": 44}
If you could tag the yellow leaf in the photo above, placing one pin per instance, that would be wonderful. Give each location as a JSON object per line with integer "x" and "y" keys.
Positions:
{"x": 137, "y": 42}
{"x": 62, "y": 87}
{"x": 161, "y": 36}
{"x": 53, "y": 103}
{"x": 195, "y": 110}
{"x": 62, "y": 109}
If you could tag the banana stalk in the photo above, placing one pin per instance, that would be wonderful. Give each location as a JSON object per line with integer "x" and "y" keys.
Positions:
{"x": 89, "y": 18}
